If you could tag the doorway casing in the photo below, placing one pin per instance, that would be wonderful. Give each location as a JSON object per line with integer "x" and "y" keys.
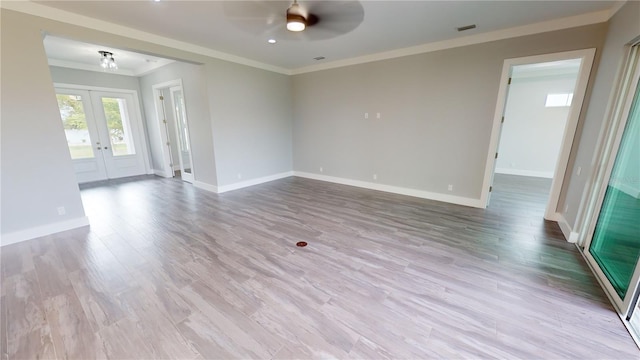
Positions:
{"x": 165, "y": 140}
{"x": 587, "y": 56}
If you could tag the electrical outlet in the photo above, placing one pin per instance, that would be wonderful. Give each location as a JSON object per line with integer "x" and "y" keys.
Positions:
{"x": 566, "y": 208}
{"x": 61, "y": 210}
{"x": 366, "y": 115}
{"x": 375, "y": 176}
{"x": 378, "y": 115}
{"x": 450, "y": 187}
{"x": 321, "y": 169}
{"x": 239, "y": 176}
{"x": 579, "y": 170}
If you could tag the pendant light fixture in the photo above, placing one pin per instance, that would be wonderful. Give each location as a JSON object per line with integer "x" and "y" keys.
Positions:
{"x": 295, "y": 20}
{"x": 107, "y": 60}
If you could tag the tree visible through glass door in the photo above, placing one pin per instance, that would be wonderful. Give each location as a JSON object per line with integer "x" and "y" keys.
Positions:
{"x": 118, "y": 123}
{"x": 76, "y": 130}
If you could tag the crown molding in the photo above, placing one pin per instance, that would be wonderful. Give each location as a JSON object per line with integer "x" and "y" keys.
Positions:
{"x": 35, "y": 9}
{"x": 28, "y": 7}
{"x": 536, "y": 28}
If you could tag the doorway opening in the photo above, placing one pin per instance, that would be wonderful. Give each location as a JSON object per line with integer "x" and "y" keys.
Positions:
{"x": 172, "y": 114}
{"x": 536, "y": 117}
{"x": 109, "y": 113}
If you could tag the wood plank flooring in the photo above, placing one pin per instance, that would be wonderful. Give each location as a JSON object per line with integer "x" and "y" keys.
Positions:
{"x": 173, "y": 272}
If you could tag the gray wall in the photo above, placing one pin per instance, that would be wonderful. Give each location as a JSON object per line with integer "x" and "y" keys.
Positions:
{"x": 252, "y": 121}
{"x": 196, "y": 101}
{"x": 623, "y": 28}
{"x": 436, "y": 113}
{"x": 37, "y": 174}
{"x": 532, "y": 133}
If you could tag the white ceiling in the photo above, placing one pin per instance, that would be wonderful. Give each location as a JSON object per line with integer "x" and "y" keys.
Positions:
{"x": 241, "y": 28}
{"x": 79, "y": 55}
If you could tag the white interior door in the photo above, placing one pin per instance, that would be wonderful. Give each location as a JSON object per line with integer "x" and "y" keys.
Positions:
{"x": 81, "y": 130}
{"x": 182, "y": 133}
{"x": 103, "y": 134}
{"x": 493, "y": 170}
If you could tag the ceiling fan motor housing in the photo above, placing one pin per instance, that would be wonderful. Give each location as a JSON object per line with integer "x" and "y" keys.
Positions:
{"x": 295, "y": 19}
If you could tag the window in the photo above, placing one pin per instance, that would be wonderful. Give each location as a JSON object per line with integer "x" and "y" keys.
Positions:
{"x": 558, "y": 100}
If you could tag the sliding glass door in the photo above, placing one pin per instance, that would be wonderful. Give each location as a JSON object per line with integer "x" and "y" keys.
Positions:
{"x": 616, "y": 239}
{"x": 613, "y": 248}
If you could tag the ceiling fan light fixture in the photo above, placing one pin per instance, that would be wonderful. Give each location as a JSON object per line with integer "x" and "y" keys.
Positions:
{"x": 107, "y": 61}
{"x": 295, "y": 20}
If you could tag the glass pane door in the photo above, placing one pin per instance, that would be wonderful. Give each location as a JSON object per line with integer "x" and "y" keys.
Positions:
{"x": 118, "y": 121}
{"x": 75, "y": 125}
{"x": 119, "y": 125}
{"x": 83, "y": 139}
{"x": 616, "y": 240}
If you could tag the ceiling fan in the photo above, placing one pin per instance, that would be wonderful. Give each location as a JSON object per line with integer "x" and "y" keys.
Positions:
{"x": 307, "y": 20}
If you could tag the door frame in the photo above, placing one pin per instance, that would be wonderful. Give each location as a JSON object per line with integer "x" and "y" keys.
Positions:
{"x": 587, "y": 56}
{"x": 137, "y": 115}
{"x": 188, "y": 177}
{"x": 167, "y": 170}
{"x": 608, "y": 146}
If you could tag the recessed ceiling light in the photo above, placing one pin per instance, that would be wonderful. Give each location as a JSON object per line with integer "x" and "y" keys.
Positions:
{"x": 272, "y": 41}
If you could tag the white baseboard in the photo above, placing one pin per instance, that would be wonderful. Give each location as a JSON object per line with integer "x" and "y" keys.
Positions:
{"x": 395, "y": 189}
{"x": 568, "y": 233}
{"x": 205, "y": 186}
{"x": 252, "y": 182}
{"x": 38, "y": 231}
{"x": 542, "y": 174}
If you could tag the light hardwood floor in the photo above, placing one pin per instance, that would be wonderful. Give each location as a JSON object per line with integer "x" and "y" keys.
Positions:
{"x": 170, "y": 271}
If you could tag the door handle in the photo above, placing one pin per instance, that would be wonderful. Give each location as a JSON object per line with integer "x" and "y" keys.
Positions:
{"x": 99, "y": 148}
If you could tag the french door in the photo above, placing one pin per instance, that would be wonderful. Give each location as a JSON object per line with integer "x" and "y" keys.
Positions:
{"x": 105, "y": 140}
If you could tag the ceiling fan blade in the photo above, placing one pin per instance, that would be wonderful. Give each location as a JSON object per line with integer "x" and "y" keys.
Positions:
{"x": 255, "y": 17}
{"x": 334, "y": 18}
{"x": 251, "y": 9}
